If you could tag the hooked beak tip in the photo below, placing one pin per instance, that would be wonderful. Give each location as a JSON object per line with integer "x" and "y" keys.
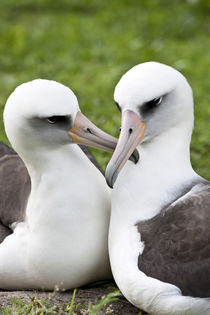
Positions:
{"x": 135, "y": 156}
{"x": 111, "y": 175}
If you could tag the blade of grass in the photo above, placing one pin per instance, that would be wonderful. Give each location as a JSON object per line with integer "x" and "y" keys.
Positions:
{"x": 105, "y": 300}
{"x": 72, "y": 302}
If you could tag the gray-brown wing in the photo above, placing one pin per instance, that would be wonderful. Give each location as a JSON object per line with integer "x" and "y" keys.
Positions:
{"x": 4, "y": 232}
{"x": 5, "y": 150}
{"x": 15, "y": 187}
{"x": 177, "y": 243}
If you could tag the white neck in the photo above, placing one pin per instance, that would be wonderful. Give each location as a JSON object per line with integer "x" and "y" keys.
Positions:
{"x": 59, "y": 178}
{"x": 163, "y": 169}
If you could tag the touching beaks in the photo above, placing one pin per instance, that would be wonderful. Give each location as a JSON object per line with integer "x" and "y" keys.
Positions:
{"x": 132, "y": 132}
{"x": 85, "y": 132}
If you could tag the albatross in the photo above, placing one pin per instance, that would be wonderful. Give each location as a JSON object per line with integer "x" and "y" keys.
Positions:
{"x": 63, "y": 239}
{"x": 159, "y": 237}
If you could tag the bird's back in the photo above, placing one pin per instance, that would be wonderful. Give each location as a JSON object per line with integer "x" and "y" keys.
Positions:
{"x": 15, "y": 188}
{"x": 177, "y": 243}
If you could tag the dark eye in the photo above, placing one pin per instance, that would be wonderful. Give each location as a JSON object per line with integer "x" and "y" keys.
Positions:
{"x": 118, "y": 106}
{"x": 156, "y": 101}
{"x": 52, "y": 120}
{"x": 57, "y": 119}
{"x": 149, "y": 107}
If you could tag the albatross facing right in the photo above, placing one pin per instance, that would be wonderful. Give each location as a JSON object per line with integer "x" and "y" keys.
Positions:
{"x": 63, "y": 240}
{"x": 159, "y": 239}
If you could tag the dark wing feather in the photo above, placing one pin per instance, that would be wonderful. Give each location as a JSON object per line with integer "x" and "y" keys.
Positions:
{"x": 15, "y": 187}
{"x": 177, "y": 243}
{"x": 4, "y": 232}
{"x": 5, "y": 150}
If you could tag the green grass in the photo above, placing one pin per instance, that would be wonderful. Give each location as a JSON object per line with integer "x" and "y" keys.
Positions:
{"x": 39, "y": 307}
{"x": 89, "y": 44}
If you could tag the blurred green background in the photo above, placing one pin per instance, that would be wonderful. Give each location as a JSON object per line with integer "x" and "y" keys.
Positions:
{"x": 89, "y": 44}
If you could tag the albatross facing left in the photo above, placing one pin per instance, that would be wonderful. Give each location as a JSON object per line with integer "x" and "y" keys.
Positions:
{"x": 63, "y": 240}
{"x": 159, "y": 239}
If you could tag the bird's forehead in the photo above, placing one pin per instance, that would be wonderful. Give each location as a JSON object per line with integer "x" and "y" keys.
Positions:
{"x": 145, "y": 82}
{"x": 43, "y": 98}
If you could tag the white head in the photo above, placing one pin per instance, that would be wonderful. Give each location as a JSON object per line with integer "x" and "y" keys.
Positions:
{"x": 44, "y": 114}
{"x": 154, "y": 99}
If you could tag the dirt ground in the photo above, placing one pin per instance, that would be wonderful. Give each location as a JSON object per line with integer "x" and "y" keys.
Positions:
{"x": 83, "y": 296}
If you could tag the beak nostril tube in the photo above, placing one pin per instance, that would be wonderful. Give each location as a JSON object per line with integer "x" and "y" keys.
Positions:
{"x": 89, "y": 130}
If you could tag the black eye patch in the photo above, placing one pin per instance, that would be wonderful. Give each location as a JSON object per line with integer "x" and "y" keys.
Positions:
{"x": 57, "y": 119}
{"x": 60, "y": 121}
{"x": 150, "y": 106}
{"x": 63, "y": 122}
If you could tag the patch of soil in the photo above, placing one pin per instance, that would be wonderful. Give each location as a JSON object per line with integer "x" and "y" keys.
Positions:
{"x": 83, "y": 296}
